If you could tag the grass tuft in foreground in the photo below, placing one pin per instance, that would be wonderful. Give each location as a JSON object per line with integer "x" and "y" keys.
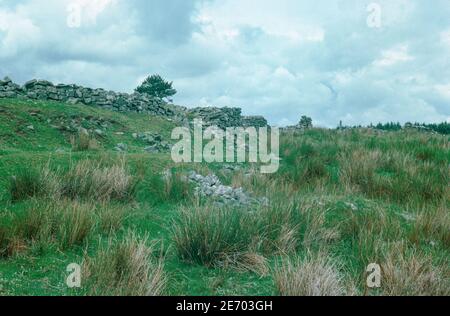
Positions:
{"x": 124, "y": 268}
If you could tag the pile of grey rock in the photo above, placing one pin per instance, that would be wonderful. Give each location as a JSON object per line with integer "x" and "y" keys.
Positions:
{"x": 211, "y": 187}
{"x": 220, "y": 117}
{"x": 254, "y": 121}
{"x": 8, "y": 89}
{"x": 155, "y": 142}
{"x": 226, "y": 117}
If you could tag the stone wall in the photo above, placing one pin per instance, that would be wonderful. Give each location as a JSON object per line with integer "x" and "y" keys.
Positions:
{"x": 73, "y": 94}
{"x": 221, "y": 117}
{"x": 254, "y": 121}
{"x": 124, "y": 102}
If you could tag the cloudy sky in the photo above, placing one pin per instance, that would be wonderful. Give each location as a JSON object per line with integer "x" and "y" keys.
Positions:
{"x": 352, "y": 60}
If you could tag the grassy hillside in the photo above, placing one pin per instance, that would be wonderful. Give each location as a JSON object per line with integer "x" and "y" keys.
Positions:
{"x": 340, "y": 201}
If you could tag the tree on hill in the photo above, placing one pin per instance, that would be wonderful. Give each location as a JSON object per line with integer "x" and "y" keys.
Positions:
{"x": 306, "y": 122}
{"x": 156, "y": 86}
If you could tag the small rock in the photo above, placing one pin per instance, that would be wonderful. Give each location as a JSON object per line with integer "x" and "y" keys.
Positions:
{"x": 352, "y": 206}
{"x": 121, "y": 147}
{"x": 98, "y": 132}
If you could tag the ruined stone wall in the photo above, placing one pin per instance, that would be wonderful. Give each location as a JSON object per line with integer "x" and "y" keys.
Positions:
{"x": 221, "y": 117}
{"x": 74, "y": 94}
{"x": 123, "y": 102}
{"x": 254, "y": 121}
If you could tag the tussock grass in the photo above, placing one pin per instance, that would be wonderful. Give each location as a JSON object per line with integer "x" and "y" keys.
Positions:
{"x": 279, "y": 226}
{"x": 86, "y": 180}
{"x": 124, "y": 268}
{"x": 209, "y": 235}
{"x": 90, "y": 180}
{"x": 315, "y": 275}
{"x": 4, "y": 241}
{"x": 432, "y": 225}
{"x": 408, "y": 272}
{"x": 83, "y": 142}
{"x": 29, "y": 182}
{"x": 171, "y": 186}
{"x": 64, "y": 223}
{"x": 393, "y": 176}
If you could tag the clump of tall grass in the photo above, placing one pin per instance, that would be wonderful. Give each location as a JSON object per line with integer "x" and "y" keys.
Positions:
{"x": 170, "y": 186}
{"x": 90, "y": 180}
{"x": 4, "y": 241}
{"x": 305, "y": 162}
{"x": 311, "y": 276}
{"x": 392, "y": 175}
{"x": 279, "y": 226}
{"x": 124, "y": 268}
{"x": 111, "y": 216}
{"x": 29, "y": 182}
{"x": 83, "y": 142}
{"x": 64, "y": 223}
{"x": 84, "y": 180}
{"x": 408, "y": 272}
{"x": 210, "y": 235}
{"x": 432, "y": 225}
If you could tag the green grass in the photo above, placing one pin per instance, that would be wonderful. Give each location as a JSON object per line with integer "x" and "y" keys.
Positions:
{"x": 341, "y": 200}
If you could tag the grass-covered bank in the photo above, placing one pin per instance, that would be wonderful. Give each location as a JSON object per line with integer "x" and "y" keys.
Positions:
{"x": 340, "y": 201}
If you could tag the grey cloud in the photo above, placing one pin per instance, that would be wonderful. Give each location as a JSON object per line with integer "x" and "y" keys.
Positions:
{"x": 268, "y": 59}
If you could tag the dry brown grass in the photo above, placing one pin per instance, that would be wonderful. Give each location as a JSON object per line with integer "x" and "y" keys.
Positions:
{"x": 124, "y": 268}
{"x": 432, "y": 225}
{"x": 84, "y": 180}
{"x": 83, "y": 142}
{"x": 313, "y": 276}
{"x": 65, "y": 223}
{"x": 407, "y": 272}
{"x": 91, "y": 180}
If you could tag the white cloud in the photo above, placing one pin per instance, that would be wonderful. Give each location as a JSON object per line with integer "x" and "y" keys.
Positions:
{"x": 394, "y": 56}
{"x": 19, "y": 33}
{"x": 281, "y": 59}
{"x": 444, "y": 90}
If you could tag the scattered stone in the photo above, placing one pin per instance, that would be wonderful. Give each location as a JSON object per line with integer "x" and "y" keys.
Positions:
{"x": 30, "y": 127}
{"x": 352, "y": 206}
{"x": 155, "y": 142}
{"x": 121, "y": 147}
{"x": 211, "y": 187}
{"x": 408, "y": 217}
{"x": 83, "y": 131}
{"x": 98, "y": 132}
